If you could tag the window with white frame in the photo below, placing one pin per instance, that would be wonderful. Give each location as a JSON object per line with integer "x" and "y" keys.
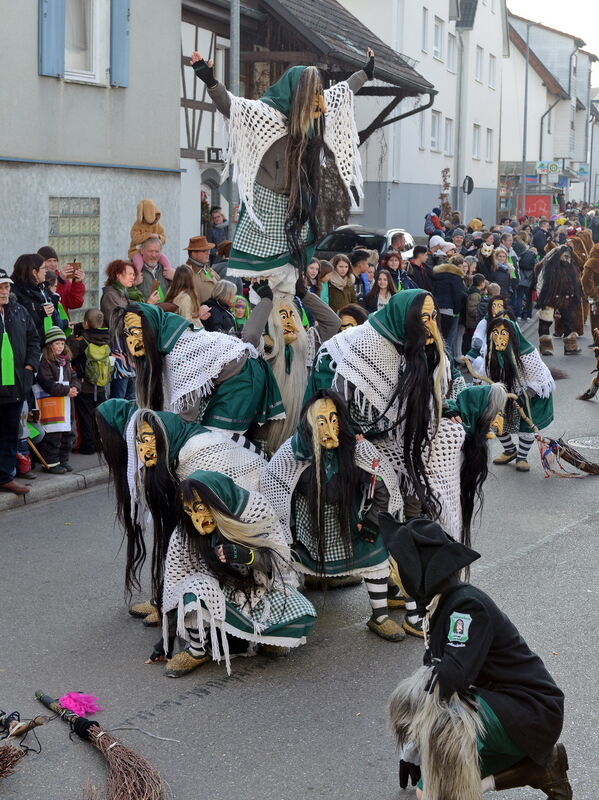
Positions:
{"x": 492, "y": 70}
{"x": 438, "y": 37}
{"x": 489, "y": 145}
{"x": 435, "y": 130}
{"x": 476, "y": 141}
{"x": 448, "y": 138}
{"x": 478, "y": 63}
{"x": 451, "y": 53}
{"x": 87, "y": 40}
{"x": 422, "y": 130}
{"x": 424, "y": 41}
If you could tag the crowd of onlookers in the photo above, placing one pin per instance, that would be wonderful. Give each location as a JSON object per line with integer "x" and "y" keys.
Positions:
{"x": 65, "y": 369}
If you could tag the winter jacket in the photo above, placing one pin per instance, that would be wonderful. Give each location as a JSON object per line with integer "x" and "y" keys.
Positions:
{"x": 217, "y": 234}
{"x": 341, "y": 291}
{"x": 49, "y": 374}
{"x": 221, "y": 320}
{"x": 25, "y": 342}
{"x": 590, "y": 275}
{"x": 149, "y": 278}
{"x": 594, "y": 228}
{"x": 71, "y": 293}
{"x": 77, "y": 345}
{"x": 448, "y": 287}
{"x": 540, "y": 239}
{"x": 422, "y": 276}
{"x": 204, "y": 280}
{"x": 144, "y": 226}
{"x": 473, "y": 299}
{"x": 185, "y": 308}
{"x": 112, "y": 297}
{"x": 485, "y": 654}
{"x": 33, "y": 297}
{"x": 526, "y": 267}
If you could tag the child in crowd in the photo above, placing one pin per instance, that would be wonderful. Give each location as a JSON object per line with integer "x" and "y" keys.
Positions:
{"x": 492, "y": 290}
{"x": 147, "y": 224}
{"x": 241, "y": 314}
{"x": 57, "y": 378}
{"x": 473, "y": 299}
{"x": 90, "y": 349}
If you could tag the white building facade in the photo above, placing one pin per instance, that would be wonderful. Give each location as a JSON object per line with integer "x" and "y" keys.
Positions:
{"x": 458, "y": 47}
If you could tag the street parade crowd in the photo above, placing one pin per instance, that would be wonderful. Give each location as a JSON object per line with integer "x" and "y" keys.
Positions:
{"x": 274, "y": 422}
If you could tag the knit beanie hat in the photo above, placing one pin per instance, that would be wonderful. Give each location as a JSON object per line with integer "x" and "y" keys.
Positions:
{"x": 47, "y": 252}
{"x": 435, "y": 240}
{"x": 55, "y": 334}
{"x": 457, "y": 232}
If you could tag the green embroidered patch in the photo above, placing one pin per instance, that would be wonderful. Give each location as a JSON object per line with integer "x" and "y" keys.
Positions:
{"x": 459, "y": 625}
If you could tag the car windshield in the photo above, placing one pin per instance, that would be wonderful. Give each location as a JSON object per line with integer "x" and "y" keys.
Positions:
{"x": 345, "y": 241}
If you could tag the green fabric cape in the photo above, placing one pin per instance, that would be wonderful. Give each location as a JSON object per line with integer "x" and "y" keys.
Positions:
{"x": 117, "y": 412}
{"x": 280, "y": 94}
{"x": 390, "y": 321}
{"x": 229, "y": 493}
{"x": 470, "y": 404}
{"x": 167, "y": 327}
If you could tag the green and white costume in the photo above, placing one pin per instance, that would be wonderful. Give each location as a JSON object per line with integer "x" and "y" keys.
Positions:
{"x": 219, "y": 378}
{"x": 276, "y": 613}
{"x": 280, "y": 483}
{"x": 364, "y": 365}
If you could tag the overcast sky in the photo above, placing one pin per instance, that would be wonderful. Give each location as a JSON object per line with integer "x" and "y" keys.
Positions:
{"x": 580, "y": 18}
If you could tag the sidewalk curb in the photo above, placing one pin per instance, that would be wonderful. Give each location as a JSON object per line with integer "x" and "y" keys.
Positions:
{"x": 59, "y": 486}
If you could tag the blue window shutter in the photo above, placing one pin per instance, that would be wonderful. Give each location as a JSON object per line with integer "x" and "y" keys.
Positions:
{"x": 51, "y": 37}
{"x": 119, "y": 43}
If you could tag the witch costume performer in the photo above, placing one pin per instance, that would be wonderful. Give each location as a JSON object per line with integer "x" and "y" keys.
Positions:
{"x": 211, "y": 378}
{"x": 228, "y": 571}
{"x": 483, "y": 713}
{"x": 328, "y": 490}
{"x": 516, "y": 363}
{"x": 148, "y": 454}
{"x": 276, "y": 148}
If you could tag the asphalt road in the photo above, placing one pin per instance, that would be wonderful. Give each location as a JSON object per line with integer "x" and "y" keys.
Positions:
{"x": 312, "y": 725}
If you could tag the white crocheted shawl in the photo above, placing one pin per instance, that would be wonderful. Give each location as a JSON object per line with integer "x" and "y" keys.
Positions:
{"x": 195, "y": 362}
{"x": 534, "y": 376}
{"x": 185, "y": 572}
{"x": 213, "y": 451}
{"x": 362, "y": 357}
{"x": 253, "y": 127}
{"x": 283, "y": 471}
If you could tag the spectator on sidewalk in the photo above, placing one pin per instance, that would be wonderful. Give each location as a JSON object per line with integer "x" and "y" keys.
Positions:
{"x": 458, "y": 238}
{"x": 473, "y": 301}
{"x": 381, "y": 292}
{"x": 541, "y": 236}
{"x": 182, "y": 294}
{"x": 398, "y": 242}
{"x": 220, "y": 305}
{"x": 204, "y": 277}
{"x": 31, "y": 291}
{"x": 57, "y": 378}
{"x": 432, "y": 223}
{"x": 218, "y": 230}
{"x": 359, "y": 268}
{"x": 90, "y": 349}
{"x": 450, "y": 293}
{"x": 70, "y": 279}
{"x": 152, "y": 280}
{"x": 19, "y": 357}
{"x": 341, "y": 284}
{"x": 419, "y": 270}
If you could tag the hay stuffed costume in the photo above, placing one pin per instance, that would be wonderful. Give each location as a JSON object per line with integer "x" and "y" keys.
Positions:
{"x": 328, "y": 490}
{"x": 484, "y": 705}
{"x": 211, "y": 378}
{"x": 228, "y": 569}
{"x": 277, "y": 227}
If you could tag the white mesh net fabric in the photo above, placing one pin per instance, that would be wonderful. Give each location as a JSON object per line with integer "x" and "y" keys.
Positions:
{"x": 536, "y": 375}
{"x": 216, "y": 452}
{"x": 253, "y": 127}
{"x": 195, "y": 362}
{"x": 281, "y": 474}
{"x": 185, "y": 572}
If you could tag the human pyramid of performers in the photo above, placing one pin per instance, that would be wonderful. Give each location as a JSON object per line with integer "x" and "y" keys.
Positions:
{"x": 298, "y": 456}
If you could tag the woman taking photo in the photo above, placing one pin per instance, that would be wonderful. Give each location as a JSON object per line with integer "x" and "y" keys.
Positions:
{"x": 382, "y": 291}
{"x": 341, "y": 283}
{"x": 31, "y": 291}
{"x": 182, "y": 294}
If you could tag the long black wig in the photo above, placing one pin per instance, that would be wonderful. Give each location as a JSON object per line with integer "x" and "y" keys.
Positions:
{"x": 305, "y": 143}
{"x": 201, "y": 545}
{"x": 347, "y": 476}
{"x": 148, "y": 369}
{"x": 113, "y": 448}
{"x": 507, "y": 373}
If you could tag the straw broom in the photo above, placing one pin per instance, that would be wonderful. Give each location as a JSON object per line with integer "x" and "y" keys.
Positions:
{"x": 9, "y": 756}
{"x": 129, "y": 775}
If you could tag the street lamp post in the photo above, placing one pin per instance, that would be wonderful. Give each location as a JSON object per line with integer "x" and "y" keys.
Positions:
{"x": 234, "y": 47}
{"x": 525, "y": 124}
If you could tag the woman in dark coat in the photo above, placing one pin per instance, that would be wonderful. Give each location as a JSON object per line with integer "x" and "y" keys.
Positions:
{"x": 449, "y": 290}
{"x": 221, "y": 319}
{"x": 31, "y": 291}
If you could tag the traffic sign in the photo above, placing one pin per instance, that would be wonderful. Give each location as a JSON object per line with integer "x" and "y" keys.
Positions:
{"x": 468, "y": 185}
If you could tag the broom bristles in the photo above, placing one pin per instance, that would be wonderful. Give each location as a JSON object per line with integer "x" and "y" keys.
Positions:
{"x": 9, "y": 756}
{"x": 129, "y": 774}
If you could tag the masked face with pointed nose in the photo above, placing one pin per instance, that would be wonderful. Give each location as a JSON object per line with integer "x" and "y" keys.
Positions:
{"x": 201, "y": 516}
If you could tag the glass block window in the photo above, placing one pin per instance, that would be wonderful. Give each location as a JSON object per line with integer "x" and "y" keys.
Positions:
{"x": 74, "y": 232}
